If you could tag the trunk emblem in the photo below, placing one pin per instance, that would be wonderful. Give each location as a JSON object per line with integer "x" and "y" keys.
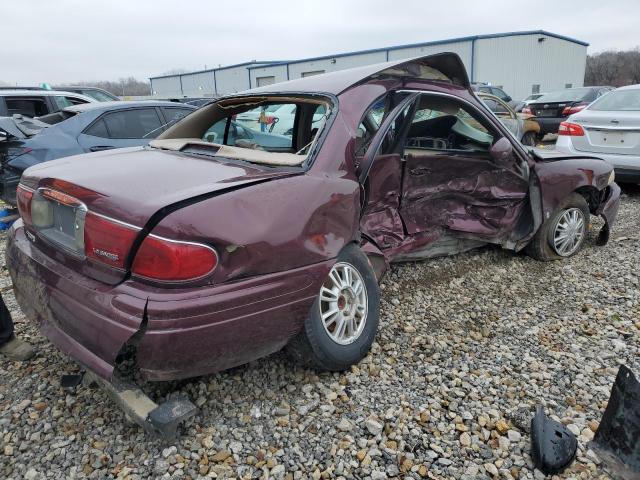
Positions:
{"x": 102, "y": 253}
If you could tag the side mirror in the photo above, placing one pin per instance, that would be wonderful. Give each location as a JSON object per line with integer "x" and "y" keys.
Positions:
{"x": 508, "y": 99}
{"x": 502, "y": 151}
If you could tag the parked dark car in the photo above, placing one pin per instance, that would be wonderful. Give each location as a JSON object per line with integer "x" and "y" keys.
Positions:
{"x": 495, "y": 91}
{"x": 554, "y": 107}
{"x": 82, "y": 128}
{"x": 37, "y": 102}
{"x": 194, "y": 256}
{"x": 96, "y": 93}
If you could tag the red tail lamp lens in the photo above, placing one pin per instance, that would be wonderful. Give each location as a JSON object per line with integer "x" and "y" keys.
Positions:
{"x": 173, "y": 261}
{"x": 108, "y": 241}
{"x": 570, "y": 129}
{"x": 573, "y": 109}
{"x": 23, "y": 199}
{"x": 526, "y": 110}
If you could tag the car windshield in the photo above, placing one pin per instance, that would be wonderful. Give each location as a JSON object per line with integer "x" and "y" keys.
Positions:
{"x": 618, "y": 100}
{"x": 568, "y": 95}
{"x": 98, "y": 95}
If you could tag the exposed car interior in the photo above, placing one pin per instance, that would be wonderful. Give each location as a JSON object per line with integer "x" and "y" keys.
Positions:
{"x": 242, "y": 128}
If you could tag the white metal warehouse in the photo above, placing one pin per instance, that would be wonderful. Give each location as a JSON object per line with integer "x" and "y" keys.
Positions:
{"x": 520, "y": 62}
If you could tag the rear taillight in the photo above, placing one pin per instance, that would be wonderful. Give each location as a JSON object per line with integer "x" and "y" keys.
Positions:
{"x": 24, "y": 195}
{"x": 570, "y": 129}
{"x": 573, "y": 109}
{"x": 107, "y": 240}
{"x": 526, "y": 111}
{"x": 173, "y": 261}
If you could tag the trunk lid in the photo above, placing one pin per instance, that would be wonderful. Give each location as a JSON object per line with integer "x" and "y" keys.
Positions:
{"x": 133, "y": 186}
{"x": 608, "y": 132}
{"x": 551, "y": 109}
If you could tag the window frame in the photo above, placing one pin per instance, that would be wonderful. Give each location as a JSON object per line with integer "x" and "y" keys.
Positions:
{"x": 496, "y": 134}
{"x": 481, "y": 109}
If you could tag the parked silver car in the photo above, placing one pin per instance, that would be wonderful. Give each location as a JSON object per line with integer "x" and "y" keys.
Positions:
{"x": 608, "y": 128}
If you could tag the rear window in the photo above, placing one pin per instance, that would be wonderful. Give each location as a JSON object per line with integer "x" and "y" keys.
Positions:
{"x": 568, "y": 95}
{"x": 172, "y": 115}
{"x": 138, "y": 123}
{"x": 618, "y": 101}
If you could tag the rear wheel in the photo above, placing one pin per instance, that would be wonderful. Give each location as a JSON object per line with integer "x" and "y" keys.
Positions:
{"x": 563, "y": 234}
{"x": 343, "y": 320}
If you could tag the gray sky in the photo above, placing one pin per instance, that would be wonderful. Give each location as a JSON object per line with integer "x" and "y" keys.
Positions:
{"x": 75, "y": 40}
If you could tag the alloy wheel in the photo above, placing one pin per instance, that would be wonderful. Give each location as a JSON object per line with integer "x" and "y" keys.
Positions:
{"x": 343, "y": 304}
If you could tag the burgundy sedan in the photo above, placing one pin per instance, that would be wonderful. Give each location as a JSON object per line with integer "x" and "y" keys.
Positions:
{"x": 204, "y": 250}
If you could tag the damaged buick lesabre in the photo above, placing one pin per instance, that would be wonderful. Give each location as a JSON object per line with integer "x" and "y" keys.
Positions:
{"x": 206, "y": 249}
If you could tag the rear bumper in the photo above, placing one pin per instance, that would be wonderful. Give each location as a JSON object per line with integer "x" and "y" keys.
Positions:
{"x": 627, "y": 167}
{"x": 184, "y": 332}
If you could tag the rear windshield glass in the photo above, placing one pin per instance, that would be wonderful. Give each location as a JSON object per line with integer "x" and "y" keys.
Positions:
{"x": 619, "y": 100}
{"x": 568, "y": 95}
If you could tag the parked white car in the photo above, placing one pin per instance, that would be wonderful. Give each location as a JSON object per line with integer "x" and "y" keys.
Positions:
{"x": 609, "y": 128}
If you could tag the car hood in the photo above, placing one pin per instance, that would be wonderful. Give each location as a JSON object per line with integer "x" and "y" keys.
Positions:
{"x": 132, "y": 184}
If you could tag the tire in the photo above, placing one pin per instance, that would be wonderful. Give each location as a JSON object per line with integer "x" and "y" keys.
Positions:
{"x": 542, "y": 246}
{"x": 325, "y": 348}
{"x": 530, "y": 139}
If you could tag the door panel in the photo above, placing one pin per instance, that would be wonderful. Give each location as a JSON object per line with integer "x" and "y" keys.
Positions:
{"x": 461, "y": 193}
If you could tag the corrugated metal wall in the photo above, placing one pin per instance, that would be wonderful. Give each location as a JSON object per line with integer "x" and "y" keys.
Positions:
{"x": 516, "y": 62}
{"x": 198, "y": 84}
{"x": 519, "y": 62}
{"x": 166, "y": 86}
{"x": 338, "y": 63}
{"x": 461, "y": 48}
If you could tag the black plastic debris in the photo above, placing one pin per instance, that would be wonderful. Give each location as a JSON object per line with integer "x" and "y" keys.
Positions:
{"x": 71, "y": 381}
{"x": 553, "y": 446}
{"x": 617, "y": 441}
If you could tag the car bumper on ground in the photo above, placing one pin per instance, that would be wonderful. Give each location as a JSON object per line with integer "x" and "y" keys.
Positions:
{"x": 182, "y": 332}
{"x": 627, "y": 167}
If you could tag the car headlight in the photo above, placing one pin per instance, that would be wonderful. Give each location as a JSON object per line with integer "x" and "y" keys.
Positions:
{"x": 612, "y": 177}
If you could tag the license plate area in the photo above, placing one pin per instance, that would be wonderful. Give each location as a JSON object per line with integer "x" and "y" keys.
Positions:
{"x": 59, "y": 219}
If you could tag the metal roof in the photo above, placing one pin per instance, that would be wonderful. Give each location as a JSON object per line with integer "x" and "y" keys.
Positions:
{"x": 124, "y": 104}
{"x": 263, "y": 64}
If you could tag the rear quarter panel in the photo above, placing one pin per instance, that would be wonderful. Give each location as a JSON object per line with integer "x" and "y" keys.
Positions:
{"x": 272, "y": 226}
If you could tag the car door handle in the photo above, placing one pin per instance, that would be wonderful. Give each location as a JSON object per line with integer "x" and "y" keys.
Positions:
{"x": 99, "y": 148}
{"x": 417, "y": 172}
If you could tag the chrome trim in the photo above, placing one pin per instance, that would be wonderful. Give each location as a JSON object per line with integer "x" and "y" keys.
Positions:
{"x": 114, "y": 220}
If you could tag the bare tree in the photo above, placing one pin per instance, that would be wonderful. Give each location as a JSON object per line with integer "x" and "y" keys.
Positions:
{"x": 615, "y": 68}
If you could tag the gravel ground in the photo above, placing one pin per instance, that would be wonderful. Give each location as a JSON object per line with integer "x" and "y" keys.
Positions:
{"x": 468, "y": 345}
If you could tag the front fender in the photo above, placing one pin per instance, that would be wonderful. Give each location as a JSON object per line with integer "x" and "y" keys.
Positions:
{"x": 560, "y": 178}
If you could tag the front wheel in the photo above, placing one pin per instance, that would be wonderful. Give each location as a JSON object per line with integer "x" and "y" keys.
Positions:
{"x": 343, "y": 320}
{"x": 563, "y": 234}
